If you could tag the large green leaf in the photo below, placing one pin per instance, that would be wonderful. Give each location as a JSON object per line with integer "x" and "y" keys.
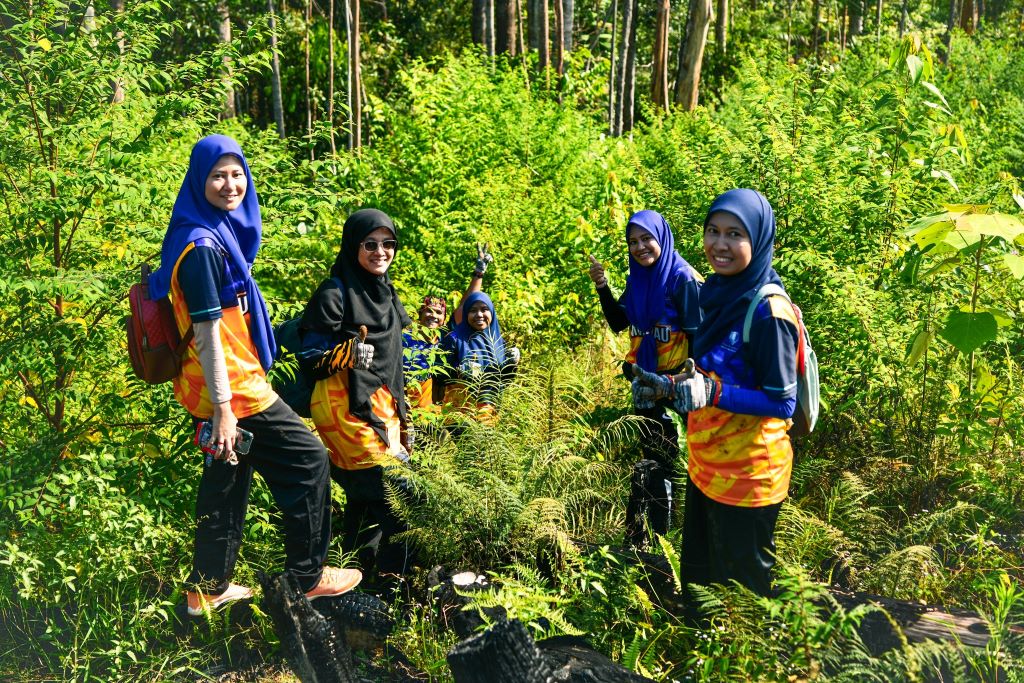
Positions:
{"x": 968, "y": 331}
{"x": 1015, "y": 264}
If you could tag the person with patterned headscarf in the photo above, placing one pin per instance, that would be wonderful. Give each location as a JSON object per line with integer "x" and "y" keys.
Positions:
{"x": 205, "y": 268}
{"x": 660, "y": 308}
{"x": 739, "y": 400}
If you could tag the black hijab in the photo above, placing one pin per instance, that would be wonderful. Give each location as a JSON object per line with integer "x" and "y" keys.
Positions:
{"x": 368, "y": 300}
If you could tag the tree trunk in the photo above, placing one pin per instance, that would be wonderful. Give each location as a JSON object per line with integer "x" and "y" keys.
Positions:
{"x": 612, "y": 86}
{"x": 490, "y": 28}
{"x": 815, "y": 26}
{"x": 309, "y": 98}
{"x": 117, "y": 85}
{"x": 691, "y": 54}
{"x": 506, "y": 24}
{"x": 969, "y": 16}
{"x": 629, "y": 85}
{"x": 878, "y": 21}
{"x": 722, "y": 26}
{"x": 275, "y": 72}
{"x": 559, "y": 40}
{"x": 533, "y": 23}
{"x": 624, "y": 67}
{"x": 568, "y": 21}
{"x": 659, "y": 68}
{"x": 950, "y": 23}
{"x": 904, "y": 17}
{"x": 330, "y": 76}
{"x": 478, "y": 22}
{"x": 224, "y": 29}
{"x": 544, "y": 46}
{"x": 856, "y": 18}
{"x": 355, "y": 138}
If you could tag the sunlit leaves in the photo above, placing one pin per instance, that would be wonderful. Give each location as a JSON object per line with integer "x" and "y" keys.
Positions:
{"x": 969, "y": 331}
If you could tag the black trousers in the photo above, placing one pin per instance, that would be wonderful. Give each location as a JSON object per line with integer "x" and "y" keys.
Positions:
{"x": 723, "y": 543}
{"x": 294, "y": 464}
{"x": 649, "y": 510}
{"x": 370, "y": 523}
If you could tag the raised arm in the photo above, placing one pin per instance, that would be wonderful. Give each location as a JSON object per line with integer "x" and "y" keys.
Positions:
{"x": 614, "y": 312}
{"x": 476, "y": 281}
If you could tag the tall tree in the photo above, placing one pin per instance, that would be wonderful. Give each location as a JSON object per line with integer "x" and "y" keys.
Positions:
{"x": 506, "y": 27}
{"x": 478, "y": 22}
{"x": 117, "y": 85}
{"x": 330, "y": 75}
{"x": 309, "y": 97}
{"x": 355, "y": 77}
{"x": 559, "y": 41}
{"x": 722, "y": 26}
{"x": 627, "y": 68}
{"x": 613, "y": 106}
{"x": 275, "y": 72}
{"x": 544, "y": 38}
{"x": 659, "y": 67}
{"x": 568, "y": 23}
{"x": 224, "y": 30}
{"x": 856, "y": 18}
{"x": 691, "y": 54}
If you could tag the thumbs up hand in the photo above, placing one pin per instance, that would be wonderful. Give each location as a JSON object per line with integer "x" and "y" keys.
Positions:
{"x": 597, "y": 272}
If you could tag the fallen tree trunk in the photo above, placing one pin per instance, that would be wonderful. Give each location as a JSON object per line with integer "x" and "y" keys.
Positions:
{"x": 504, "y": 653}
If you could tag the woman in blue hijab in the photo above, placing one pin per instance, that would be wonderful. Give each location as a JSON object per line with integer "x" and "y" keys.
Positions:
{"x": 479, "y": 363}
{"x": 738, "y": 401}
{"x": 660, "y": 308}
{"x": 205, "y": 269}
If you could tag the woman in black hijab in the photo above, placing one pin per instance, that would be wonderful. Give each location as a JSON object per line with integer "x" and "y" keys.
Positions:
{"x": 358, "y": 403}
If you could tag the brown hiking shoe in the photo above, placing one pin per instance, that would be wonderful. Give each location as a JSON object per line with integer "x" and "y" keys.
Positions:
{"x": 200, "y": 602}
{"x": 335, "y": 581}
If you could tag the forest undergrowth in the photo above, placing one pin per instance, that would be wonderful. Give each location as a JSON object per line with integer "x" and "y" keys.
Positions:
{"x": 896, "y": 184}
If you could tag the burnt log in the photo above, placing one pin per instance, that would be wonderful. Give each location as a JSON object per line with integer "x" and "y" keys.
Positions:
{"x": 454, "y": 606}
{"x": 504, "y": 653}
{"x": 314, "y": 646}
{"x": 572, "y": 660}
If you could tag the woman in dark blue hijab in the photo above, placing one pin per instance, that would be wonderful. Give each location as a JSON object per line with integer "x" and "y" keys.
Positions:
{"x": 479, "y": 363}
{"x": 660, "y": 308}
{"x": 738, "y": 401}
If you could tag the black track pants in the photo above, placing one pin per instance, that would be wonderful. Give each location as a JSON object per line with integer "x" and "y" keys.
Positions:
{"x": 649, "y": 510}
{"x": 294, "y": 464}
{"x": 370, "y": 522}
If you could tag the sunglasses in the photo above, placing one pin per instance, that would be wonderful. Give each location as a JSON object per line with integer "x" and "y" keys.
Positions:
{"x": 371, "y": 245}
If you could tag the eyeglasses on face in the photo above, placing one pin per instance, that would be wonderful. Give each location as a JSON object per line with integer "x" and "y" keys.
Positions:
{"x": 372, "y": 245}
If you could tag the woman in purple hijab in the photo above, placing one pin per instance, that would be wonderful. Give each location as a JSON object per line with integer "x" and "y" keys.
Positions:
{"x": 660, "y": 307}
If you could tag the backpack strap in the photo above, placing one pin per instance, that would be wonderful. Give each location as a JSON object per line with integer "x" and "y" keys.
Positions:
{"x": 771, "y": 289}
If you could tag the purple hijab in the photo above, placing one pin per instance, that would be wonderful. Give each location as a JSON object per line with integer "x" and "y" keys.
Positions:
{"x": 725, "y": 299}
{"x": 647, "y": 288}
{"x": 237, "y": 232}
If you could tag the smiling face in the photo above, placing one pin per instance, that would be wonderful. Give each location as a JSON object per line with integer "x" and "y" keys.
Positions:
{"x": 226, "y": 184}
{"x": 727, "y": 244}
{"x": 378, "y": 260}
{"x": 479, "y": 316}
{"x": 643, "y": 246}
{"x": 431, "y": 317}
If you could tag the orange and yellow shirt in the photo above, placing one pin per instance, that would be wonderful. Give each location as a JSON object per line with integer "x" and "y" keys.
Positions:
{"x": 251, "y": 393}
{"x": 739, "y": 459}
{"x": 352, "y": 443}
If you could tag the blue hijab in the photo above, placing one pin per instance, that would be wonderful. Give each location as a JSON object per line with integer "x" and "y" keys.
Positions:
{"x": 647, "y": 288}
{"x": 486, "y": 347}
{"x": 725, "y": 299}
{"x": 238, "y": 232}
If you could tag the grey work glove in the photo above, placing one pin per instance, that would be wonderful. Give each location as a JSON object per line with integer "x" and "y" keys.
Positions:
{"x": 650, "y": 387}
{"x": 483, "y": 259}
{"x": 514, "y": 355}
{"x": 693, "y": 393}
{"x": 362, "y": 355}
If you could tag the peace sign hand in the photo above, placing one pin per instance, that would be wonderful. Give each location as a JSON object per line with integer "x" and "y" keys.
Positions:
{"x": 483, "y": 259}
